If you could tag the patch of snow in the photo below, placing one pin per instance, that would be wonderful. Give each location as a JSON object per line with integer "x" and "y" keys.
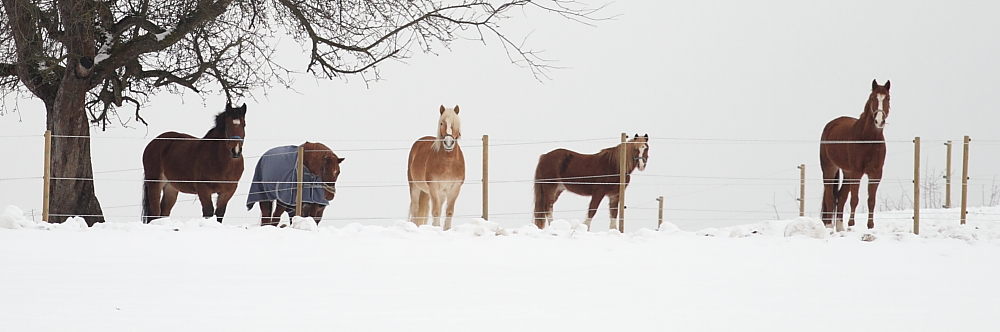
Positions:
{"x": 808, "y": 227}
{"x": 304, "y": 223}
{"x": 164, "y": 34}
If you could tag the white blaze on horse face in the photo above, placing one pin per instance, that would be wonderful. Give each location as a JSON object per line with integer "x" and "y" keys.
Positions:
{"x": 236, "y": 122}
{"x": 880, "y": 112}
{"x": 642, "y": 162}
{"x": 449, "y": 138}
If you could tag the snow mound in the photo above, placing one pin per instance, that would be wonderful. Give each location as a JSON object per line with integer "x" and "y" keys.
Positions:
{"x": 668, "y": 227}
{"x": 305, "y": 224}
{"x": 13, "y": 218}
{"x": 480, "y": 227}
{"x": 805, "y": 226}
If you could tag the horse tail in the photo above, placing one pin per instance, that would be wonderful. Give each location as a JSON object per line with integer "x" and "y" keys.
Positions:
{"x": 145, "y": 201}
{"x": 540, "y": 203}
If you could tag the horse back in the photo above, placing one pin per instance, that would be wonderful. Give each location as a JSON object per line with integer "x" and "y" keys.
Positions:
{"x": 160, "y": 149}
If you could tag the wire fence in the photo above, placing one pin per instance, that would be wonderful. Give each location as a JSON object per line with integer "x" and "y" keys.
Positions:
{"x": 671, "y": 185}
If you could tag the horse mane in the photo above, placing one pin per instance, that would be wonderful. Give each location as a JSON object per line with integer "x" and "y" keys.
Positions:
{"x": 456, "y": 127}
{"x": 219, "y": 131}
{"x": 610, "y": 157}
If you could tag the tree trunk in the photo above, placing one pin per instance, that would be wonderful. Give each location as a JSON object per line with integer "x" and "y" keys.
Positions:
{"x": 73, "y": 194}
{"x": 71, "y": 155}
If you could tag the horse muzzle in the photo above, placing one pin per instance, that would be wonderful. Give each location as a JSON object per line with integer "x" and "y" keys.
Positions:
{"x": 236, "y": 151}
{"x": 449, "y": 142}
{"x": 880, "y": 119}
{"x": 329, "y": 188}
{"x": 640, "y": 163}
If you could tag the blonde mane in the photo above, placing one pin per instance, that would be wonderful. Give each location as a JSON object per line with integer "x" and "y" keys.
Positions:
{"x": 450, "y": 116}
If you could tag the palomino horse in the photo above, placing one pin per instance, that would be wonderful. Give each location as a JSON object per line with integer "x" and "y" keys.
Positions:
{"x": 594, "y": 175}
{"x": 275, "y": 178}
{"x": 855, "y": 147}
{"x": 174, "y": 162}
{"x": 436, "y": 171}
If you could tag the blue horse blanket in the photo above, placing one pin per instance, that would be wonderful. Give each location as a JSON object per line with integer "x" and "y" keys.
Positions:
{"x": 275, "y": 179}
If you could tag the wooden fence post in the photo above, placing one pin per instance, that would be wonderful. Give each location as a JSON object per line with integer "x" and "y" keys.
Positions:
{"x": 802, "y": 190}
{"x": 622, "y": 154}
{"x": 965, "y": 179}
{"x": 947, "y": 177}
{"x": 46, "y": 175}
{"x": 298, "y": 185}
{"x": 660, "y": 220}
{"x": 486, "y": 177}
{"x": 916, "y": 185}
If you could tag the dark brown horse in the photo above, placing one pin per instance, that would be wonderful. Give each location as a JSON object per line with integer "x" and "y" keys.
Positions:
{"x": 275, "y": 178}
{"x": 180, "y": 163}
{"x": 853, "y": 147}
{"x": 594, "y": 175}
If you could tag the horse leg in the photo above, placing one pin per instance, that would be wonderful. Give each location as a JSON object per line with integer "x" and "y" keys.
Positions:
{"x": 153, "y": 187}
{"x": 318, "y": 213}
{"x": 549, "y": 214}
{"x": 169, "y": 199}
{"x": 205, "y": 196}
{"x": 278, "y": 211}
{"x": 221, "y": 202}
{"x": 415, "y": 206}
{"x": 450, "y": 208}
{"x": 873, "y": 181}
{"x": 855, "y": 186}
{"x": 265, "y": 213}
{"x": 595, "y": 201}
{"x": 437, "y": 200}
{"x": 613, "y": 207}
{"x": 838, "y": 215}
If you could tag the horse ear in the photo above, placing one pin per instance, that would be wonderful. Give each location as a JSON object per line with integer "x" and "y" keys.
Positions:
{"x": 456, "y": 109}
{"x": 874, "y": 84}
{"x": 886, "y": 85}
{"x": 442, "y": 109}
{"x": 636, "y": 135}
{"x": 244, "y": 108}
{"x": 646, "y": 136}
{"x": 340, "y": 160}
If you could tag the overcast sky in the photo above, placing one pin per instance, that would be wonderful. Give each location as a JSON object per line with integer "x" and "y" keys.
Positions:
{"x": 733, "y": 95}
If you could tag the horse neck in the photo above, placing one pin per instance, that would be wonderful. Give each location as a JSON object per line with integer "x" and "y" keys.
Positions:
{"x": 865, "y": 126}
{"x": 611, "y": 155}
{"x": 214, "y": 142}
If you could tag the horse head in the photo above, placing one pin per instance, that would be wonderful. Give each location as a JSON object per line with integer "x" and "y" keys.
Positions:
{"x": 321, "y": 161}
{"x": 639, "y": 150}
{"x": 878, "y": 103}
{"x": 233, "y": 120}
{"x": 449, "y": 128}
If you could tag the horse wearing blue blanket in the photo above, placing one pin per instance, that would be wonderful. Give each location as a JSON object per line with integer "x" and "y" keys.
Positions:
{"x": 275, "y": 179}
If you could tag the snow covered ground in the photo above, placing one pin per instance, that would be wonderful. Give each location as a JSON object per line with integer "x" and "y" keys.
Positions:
{"x": 197, "y": 275}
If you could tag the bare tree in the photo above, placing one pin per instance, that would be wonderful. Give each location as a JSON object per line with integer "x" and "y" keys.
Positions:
{"x": 88, "y": 59}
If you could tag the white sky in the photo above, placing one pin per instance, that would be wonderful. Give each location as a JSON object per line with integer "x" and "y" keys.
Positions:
{"x": 682, "y": 72}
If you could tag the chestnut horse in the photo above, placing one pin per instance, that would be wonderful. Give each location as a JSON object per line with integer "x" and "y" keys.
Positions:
{"x": 174, "y": 162}
{"x": 594, "y": 175}
{"x": 275, "y": 179}
{"x": 436, "y": 171}
{"x": 853, "y": 148}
